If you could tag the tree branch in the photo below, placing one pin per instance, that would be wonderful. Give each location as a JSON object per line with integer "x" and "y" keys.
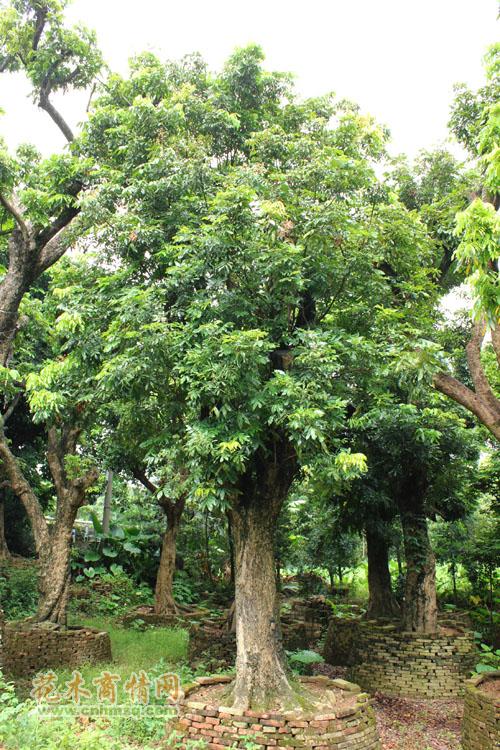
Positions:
{"x": 23, "y": 491}
{"x": 473, "y": 351}
{"x": 141, "y": 477}
{"x": 54, "y": 460}
{"x": 10, "y": 409}
{"x": 495, "y": 340}
{"x": 45, "y": 104}
{"x": 40, "y": 19}
{"x": 52, "y": 250}
{"x": 464, "y": 396}
{"x": 17, "y": 216}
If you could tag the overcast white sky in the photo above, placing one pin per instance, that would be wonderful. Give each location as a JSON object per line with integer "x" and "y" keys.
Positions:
{"x": 397, "y": 59}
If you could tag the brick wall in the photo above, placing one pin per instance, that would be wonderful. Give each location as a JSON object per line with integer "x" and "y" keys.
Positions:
{"x": 401, "y": 663}
{"x": 28, "y": 649}
{"x": 481, "y": 723}
{"x": 348, "y": 728}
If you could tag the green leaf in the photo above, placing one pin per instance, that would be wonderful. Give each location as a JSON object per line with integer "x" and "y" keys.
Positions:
{"x": 480, "y": 668}
{"x": 109, "y": 551}
{"x": 91, "y": 556}
{"x": 129, "y": 547}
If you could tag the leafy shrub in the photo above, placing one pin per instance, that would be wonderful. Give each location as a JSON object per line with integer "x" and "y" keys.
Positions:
{"x": 184, "y": 591}
{"x": 128, "y": 547}
{"x": 18, "y": 591}
{"x": 302, "y": 661}
{"x": 112, "y": 593}
{"x": 490, "y": 657}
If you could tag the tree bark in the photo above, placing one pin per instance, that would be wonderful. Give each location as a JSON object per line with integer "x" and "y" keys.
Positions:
{"x": 164, "y": 593}
{"x": 481, "y": 401}
{"x": 420, "y": 605}
{"x": 53, "y": 545}
{"x": 54, "y": 575}
{"x": 262, "y": 675}
{"x": 4, "y": 550}
{"x": 30, "y": 253}
{"x": 108, "y": 497}
{"x": 382, "y": 602}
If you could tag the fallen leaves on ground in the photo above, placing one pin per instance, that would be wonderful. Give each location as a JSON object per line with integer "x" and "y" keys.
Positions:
{"x": 412, "y": 724}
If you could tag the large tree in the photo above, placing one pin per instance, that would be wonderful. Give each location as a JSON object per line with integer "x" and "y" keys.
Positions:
{"x": 39, "y": 201}
{"x": 251, "y": 230}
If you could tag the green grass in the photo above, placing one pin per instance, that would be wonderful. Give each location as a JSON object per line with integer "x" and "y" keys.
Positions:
{"x": 155, "y": 650}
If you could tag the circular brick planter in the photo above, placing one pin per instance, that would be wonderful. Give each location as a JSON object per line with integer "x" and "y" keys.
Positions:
{"x": 396, "y": 662}
{"x": 481, "y": 723}
{"x": 27, "y": 648}
{"x": 351, "y": 726}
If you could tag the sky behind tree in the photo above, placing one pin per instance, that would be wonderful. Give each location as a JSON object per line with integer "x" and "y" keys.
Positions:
{"x": 398, "y": 60}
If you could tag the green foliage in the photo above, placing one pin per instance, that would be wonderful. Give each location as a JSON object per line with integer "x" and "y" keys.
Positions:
{"x": 125, "y": 548}
{"x": 18, "y": 591}
{"x": 35, "y": 39}
{"x": 111, "y": 593}
{"x": 301, "y": 661}
{"x": 479, "y": 230}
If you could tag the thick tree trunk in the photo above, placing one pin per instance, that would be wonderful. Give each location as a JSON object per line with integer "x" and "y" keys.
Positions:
{"x": 164, "y": 592}
{"x": 231, "y": 548}
{"x": 262, "y": 675}
{"x": 420, "y": 606}
{"x": 261, "y": 668}
{"x": 382, "y": 602}
{"x": 4, "y": 550}
{"x": 54, "y": 577}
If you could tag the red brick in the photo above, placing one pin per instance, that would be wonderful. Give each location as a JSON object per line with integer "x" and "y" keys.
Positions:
{"x": 319, "y": 724}
{"x": 221, "y": 729}
{"x": 195, "y": 717}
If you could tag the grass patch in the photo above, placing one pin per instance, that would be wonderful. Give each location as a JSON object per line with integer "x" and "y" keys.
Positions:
{"x": 154, "y": 650}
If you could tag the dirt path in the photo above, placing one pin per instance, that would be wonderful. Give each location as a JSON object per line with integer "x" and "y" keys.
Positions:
{"x": 409, "y": 724}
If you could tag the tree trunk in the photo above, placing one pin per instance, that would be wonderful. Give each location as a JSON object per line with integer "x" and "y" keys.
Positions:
{"x": 231, "y": 548}
{"x": 382, "y": 602}
{"x": 262, "y": 674}
{"x": 52, "y": 545}
{"x": 164, "y": 593}
{"x": 420, "y": 606}
{"x": 208, "y": 564}
{"x": 4, "y": 550}
{"x": 454, "y": 579}
{"x": 398, "y": 557}
{"x": 108, "y": 497}
{"x": 54, "y": 577}
{"x": 261, "y": 668}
